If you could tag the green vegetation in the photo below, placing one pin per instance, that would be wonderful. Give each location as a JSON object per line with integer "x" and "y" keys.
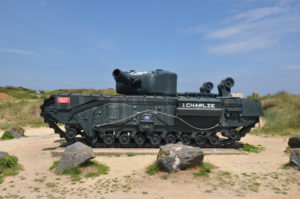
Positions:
{"x": 289, "y": 165}
{"x": 76, "y": 173}
{"x": 109, "y": 91}
{"x": 54, "y": 165}
{"x": 22, "y": 107}
{"x": 166, "y": 176}
{"x": 204, "y": 169}
{"x": 19, "y": 92}
{"x": 25, "y": 93}
{"x": 7, "y": 136}
{"x": 152, "y": 169}
{"x": 51, "y": 185}
{"x": 282, "y": 114}
{"x": 15, "y": 112}
{"x": 101, "y": 169}
{"x": 252, "y": 148}
{"x": 130, "y": 154}
{"x": 9, "y": 167}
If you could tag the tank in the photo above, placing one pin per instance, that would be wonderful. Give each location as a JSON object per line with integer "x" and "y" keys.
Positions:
{"x": 149, "y": 112}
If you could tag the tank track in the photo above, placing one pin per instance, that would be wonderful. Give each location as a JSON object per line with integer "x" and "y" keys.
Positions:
{"x": 209, "y": 136}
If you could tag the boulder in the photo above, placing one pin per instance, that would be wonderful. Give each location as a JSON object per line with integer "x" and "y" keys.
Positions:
{"x": 74, "y": 155}
{"x": 3, "y": 154}
{"x": 295, "y": 157}
{"x": 175, "y": 157}
{"x": 16, "y": 132}
{"x": 294, "y": 142}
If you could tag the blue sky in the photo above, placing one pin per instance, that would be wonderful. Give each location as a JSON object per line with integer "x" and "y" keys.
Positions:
{"x": 51, "y": 44}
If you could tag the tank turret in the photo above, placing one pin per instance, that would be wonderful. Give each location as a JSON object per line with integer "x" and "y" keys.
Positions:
{"x": 159, "y": 82}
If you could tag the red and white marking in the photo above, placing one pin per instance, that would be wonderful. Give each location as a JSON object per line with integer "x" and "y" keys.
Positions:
{"x": 63, "y": 100}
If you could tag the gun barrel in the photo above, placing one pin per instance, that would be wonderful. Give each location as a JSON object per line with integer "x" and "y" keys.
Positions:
{"x": 120, "y": 76}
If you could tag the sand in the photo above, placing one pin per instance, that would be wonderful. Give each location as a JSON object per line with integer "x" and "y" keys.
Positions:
{"x": 4, "y": 96}
{"x": 249, "y": 175}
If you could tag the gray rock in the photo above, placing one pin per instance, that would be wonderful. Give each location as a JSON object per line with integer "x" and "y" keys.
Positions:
{"x": 294, "y": 142}
{"x": 295, "y": 157}
{"x": 16, "y": 132}
{"x": 74, "y": 155}
{"x": 3, "y": 154}
{"x": 175, "y": 157}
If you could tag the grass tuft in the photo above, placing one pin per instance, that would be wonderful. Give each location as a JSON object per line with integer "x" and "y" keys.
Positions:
{"x": 252, "y": 148}
{"x": 130, "y": 154}
{"x": 54, "y": 165}
{"x": 204, "y": 169}
{"x": 9, "y": 167}
{"x": 51, "y": 185}
{"x": 77, "y": 172}
{"x": 7, "y": 136}
{"x": 101, "y": 169}
{"x": 152, "y": 169}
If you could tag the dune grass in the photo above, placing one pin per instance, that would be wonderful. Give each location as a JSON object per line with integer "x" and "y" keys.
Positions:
{"x": 16, "y": 112}
{"x": 282, "y": 114}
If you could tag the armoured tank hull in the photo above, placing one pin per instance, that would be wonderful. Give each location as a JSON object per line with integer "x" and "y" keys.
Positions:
{"x": 201, "y": 119}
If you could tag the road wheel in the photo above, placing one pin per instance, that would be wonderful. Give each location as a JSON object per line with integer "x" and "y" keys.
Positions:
{"x": 170, "y": 139}
{"x": 200, "y": 140}
{"x": 108, "y": 139}
{"x": 185, "y": 139}
{"x": 124, "y": 139}
{"x": 155, "y": 139}
{"x": 140, "y": 139}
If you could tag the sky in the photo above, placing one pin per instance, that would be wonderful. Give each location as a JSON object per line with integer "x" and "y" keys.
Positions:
{"x": 52, "y": 44}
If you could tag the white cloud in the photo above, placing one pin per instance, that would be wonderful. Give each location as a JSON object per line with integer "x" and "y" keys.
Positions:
{"x": 18, "y": 51}
{"x": 241, "y": 46}
{"x": 253, "y": 29}
{"x": 258, "y": 13}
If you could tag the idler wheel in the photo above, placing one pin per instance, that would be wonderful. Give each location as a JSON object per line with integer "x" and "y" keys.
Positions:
{"x": 214, "y": 140}
{"x": 108, "y": 139}
{"x": 170, "y": 139}
{"x": 140, "y": 139}
{"x": 124, "y": 139}
{"x": 71, "y": 134}
{"x": 200, "y": 140}
{"x": 155, "y": 139}
{"x": 233, "y": 135}
{"x": 185, "y": 139}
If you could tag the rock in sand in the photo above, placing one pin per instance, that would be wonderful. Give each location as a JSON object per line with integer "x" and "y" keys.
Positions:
{"x": 294, "y": 142}
{"x": 74, "y": 155}
{"x": 175, "y": 157}
{"x": 17, "y": 132}
{"x": 295, "y": 157}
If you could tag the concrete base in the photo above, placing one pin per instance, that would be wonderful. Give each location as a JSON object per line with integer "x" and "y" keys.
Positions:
{"x": 146, "y": 151}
